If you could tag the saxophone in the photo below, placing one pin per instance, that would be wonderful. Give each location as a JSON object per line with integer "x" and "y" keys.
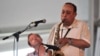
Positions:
{"x": 57, "y": 52}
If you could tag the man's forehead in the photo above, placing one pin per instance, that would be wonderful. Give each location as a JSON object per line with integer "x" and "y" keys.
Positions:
{"x": 34, "y": 36}
{"x": 67, "y": 5}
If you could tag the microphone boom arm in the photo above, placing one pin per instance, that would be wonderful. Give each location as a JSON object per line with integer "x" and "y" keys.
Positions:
{"x": 16, "y": 34}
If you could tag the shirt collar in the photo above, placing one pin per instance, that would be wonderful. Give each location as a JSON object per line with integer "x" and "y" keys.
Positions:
{"x": 73, "y": 25}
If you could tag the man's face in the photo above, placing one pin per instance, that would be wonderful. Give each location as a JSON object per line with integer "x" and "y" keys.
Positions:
{"x": 68, "y": 15}
{"x": 34, "y": 40}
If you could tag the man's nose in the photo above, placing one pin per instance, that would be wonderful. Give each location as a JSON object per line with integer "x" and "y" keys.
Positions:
{"x": 65, "y": 15}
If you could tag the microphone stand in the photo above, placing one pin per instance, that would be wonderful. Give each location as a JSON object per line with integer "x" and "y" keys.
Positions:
{"x": 16, "y": 35}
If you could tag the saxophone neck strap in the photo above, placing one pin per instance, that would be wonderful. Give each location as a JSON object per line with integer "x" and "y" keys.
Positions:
{"x": 67, "y": 32}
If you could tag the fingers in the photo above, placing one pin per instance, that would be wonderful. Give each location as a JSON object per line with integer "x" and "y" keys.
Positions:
{"x": 63, "y": 41}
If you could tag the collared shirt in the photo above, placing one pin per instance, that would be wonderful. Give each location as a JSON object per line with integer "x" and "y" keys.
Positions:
{"x": 34, "y": 54}
{"x": 79, "y": 30}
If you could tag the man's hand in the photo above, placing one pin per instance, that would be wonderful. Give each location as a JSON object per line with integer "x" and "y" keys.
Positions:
{"x": 63, "y": 41}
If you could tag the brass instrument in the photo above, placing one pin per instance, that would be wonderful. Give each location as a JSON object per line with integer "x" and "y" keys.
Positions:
{"x": 57, "y": 52}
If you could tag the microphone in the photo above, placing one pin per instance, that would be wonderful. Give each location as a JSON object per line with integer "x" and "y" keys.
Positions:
{"x": 52, "y": 47}
{"x": 40, "y": 21}
{"x": 37, "y": 22}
